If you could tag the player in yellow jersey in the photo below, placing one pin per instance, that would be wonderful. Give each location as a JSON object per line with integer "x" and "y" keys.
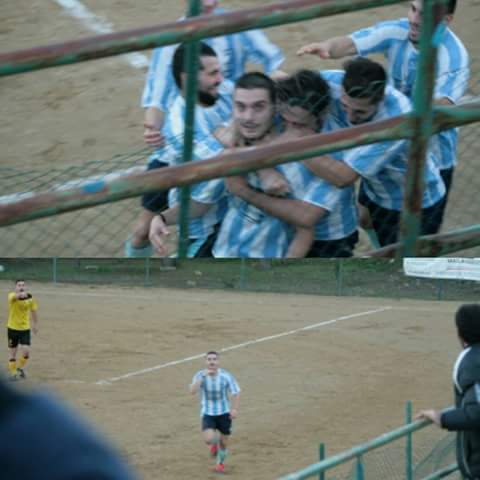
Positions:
{"x": 21, "y": 308}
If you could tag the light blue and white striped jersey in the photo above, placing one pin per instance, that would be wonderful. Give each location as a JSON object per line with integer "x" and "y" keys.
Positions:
{"x": 234, "y": 52}
{"x": 382, "y": 165}
{"x": 247, "y": 231}
{"x": 207, "y": 120}
{"x": 215, "y": 391}
{"x": 452, "y": 70}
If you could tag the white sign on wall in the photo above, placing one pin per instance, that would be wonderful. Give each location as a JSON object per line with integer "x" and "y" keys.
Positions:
{"x": 450, "y": 268}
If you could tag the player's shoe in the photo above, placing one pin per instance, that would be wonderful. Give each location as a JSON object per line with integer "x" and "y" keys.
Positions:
{"x": 21, "y": 373}
{"x": 220, "y": 468}
{"x": 214, "y": 449}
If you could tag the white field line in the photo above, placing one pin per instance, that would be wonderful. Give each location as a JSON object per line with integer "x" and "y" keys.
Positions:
{"x": 98, "y": 25}
{"x": 171, "y": 298}
{"x": 240, "y": 345}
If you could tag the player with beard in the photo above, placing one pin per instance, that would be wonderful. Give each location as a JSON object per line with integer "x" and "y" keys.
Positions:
{"x": 234, "y": 52}
{"x": 398, "y": 41}
{"x": 213, "y": 110}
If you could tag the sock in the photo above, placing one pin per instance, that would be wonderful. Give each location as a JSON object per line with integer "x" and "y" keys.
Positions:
{"x": 221, "y": 455}
{"x": 134, "y": 252}
{"x": 372, "y": 236}
{"x": 12, "y": 366}
{"x": 22, "y": 362}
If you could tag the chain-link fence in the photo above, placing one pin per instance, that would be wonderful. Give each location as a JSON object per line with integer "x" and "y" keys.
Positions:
{"x": 101, "y": 231}
{"x": 433, "y": 450}
{"x": 352, "y": 277}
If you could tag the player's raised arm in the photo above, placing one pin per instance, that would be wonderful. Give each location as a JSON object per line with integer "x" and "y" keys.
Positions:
{"x": 336, "y": 47}
{"x": 197, "y": 382}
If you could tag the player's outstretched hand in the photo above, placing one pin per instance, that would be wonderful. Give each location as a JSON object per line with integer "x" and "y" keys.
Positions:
{"x": 320, "y": 49}
{"x": 157, "y": 235}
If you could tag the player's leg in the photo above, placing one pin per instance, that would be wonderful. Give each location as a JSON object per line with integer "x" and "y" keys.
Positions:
{"x": 12, "y": 353}
{"x": 138, "y": 244}
{"x": 224, "y": 425}
{"x": 210, "y": 434}
{"x": 365, "y": 221}
{"x": 24, "y": 353}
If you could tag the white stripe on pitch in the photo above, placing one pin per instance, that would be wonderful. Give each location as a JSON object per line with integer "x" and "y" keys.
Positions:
{"x": 98, "y": 25}
{"x": 240, "y": 345}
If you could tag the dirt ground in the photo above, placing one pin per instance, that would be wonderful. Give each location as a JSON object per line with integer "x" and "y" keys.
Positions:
{"x": 71, "y": 115}
{"x": 342, "y": 382}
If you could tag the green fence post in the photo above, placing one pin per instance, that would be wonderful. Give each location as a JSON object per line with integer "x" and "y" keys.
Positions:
{"x": 321, "y": 456}
{"x": 359, "y": 472}
{"x": 432, "y": 26}
{"x": 408, "y": 443}
{"x": 54, "y": 267}
{"x": 440, "y": 289}
{"x": 147, "y": 282}
{"x": 191, "y": 67}
{"x": 243, "y": 273}
{"x": 339, "y": 276}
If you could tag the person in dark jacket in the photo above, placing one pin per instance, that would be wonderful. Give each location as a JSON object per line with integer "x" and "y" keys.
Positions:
{"x": 464, "y": 418}
{"x": 41, "y": 439}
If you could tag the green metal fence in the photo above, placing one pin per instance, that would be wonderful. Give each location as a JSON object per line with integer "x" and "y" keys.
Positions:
{"x": 427, "y": 464}
{"x": 353, "y": 277}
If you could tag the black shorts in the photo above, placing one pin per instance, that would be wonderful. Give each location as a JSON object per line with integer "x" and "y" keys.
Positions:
{"x": 341, "y": 248}
{"x": 202, "y": 248}
{"x": 156, "y": 201}
{"x": 222, "y": 423}
{"x": 386, "y": 223}
{"x": 16, "y": 337}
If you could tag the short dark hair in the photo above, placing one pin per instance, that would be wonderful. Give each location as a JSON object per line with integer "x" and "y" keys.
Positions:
{"x": 212, "y": 352}
{"x": 19, "y": 280}
{"x": 252, "y": 80}
{"x": 306, "y": 89}
{"x": 364, "y": 78}
{"x": 178, "y": 63}
{"x": 451, "y": 6}
{"x": 467, "y": 320}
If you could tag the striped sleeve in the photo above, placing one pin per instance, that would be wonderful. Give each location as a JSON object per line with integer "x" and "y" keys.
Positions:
{"x": 453, "y": 69}
{"x": 160, "y": 85}
{"x": 208, "y": 192}
{"x": 197, "y": 376}
{"x": 233, "y": 385}
{"x": 260, "y": 50}
{"x": 369, "y": 160}
{"x": 378, "y": 38}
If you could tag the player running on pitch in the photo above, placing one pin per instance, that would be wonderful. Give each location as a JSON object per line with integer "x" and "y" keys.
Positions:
{"x": 215, "y": 385}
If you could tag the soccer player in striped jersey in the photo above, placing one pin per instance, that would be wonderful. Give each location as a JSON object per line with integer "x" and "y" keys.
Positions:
{"x": 212, "y": 112}
{"x": 259, "y": 224}
{"x": 217, "y": 388}
{"x": 316, "y": 219}
{"x": 398, "y": 40}
{"x": 234, "y": 51}
{"x": 21, "y": 308}
{"x": 360, "y": 95}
